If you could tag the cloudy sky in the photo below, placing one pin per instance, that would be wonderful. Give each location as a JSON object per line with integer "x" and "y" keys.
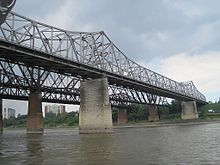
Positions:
{"x": 177, "y": 38}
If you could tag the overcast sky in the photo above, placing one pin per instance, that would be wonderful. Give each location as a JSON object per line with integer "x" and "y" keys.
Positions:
{"x": 177, "y": 38}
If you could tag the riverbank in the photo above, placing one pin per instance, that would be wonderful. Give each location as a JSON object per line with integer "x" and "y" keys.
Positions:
{"x": 165, "y": 123}
{"x": 162, "y": 123}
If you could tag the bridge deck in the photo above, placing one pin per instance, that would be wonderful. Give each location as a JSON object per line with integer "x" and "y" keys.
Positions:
{"x": 31, "y": 57}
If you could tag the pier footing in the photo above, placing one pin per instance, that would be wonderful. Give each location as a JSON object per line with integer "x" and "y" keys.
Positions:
{"x": 35, "y": 116}
{"x": 122, "y": 116}
{"x": 95, "y": 115}
{"x": 153, "y": 113}
{"x": 189, "y": 110}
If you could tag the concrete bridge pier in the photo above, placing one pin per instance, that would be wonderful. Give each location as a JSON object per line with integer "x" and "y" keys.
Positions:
{"x": 1, "y": 118}
{"x": 35, "y": 116}
{"x": 153, "y": 113}
{"x": 95, "y": 115}
{"x": 122, "y": 116}
{"x": 189, "y": 110}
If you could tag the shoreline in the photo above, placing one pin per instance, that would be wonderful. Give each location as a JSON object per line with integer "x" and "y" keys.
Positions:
{"x": 141, "y": 124}
{"x": 164, "y": 124}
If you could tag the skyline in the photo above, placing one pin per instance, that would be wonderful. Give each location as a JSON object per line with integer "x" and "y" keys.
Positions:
{"x": 21, "y": 106}
{"x": 178, "y": 39}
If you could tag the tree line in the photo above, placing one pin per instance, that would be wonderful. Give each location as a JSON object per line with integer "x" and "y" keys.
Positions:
{"x": 135, "y": 112}
{"x": 139, "y": 112}
{"x": 50, "y": 120}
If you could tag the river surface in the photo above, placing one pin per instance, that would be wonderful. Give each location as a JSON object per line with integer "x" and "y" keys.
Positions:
{"x": 190, "y": 144}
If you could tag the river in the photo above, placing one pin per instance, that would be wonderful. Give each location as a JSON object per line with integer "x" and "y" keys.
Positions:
{"x": 180, "y": 144}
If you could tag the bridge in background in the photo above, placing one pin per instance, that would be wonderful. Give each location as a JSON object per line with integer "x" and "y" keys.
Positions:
{"x": 39, "y": 63}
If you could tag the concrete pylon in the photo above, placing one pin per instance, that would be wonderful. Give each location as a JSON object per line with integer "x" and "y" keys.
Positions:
{"x": 122, "y": 116}
{"x": 189, "y": 110}
{"x": 153, "y": 113}
{"x": 1, "y": 118}
{"x": 35, "y": 116}
{"x": 95, "y": 115}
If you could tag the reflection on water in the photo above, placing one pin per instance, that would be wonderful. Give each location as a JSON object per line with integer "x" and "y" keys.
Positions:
{"x": 34, "y": 149}
{"x": 195, "y": 144}
{"x": 96, "y": 148}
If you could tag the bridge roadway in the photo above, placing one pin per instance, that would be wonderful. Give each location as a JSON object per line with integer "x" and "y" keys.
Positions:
{"x": 90, "y": 57}
{"x": 51, "y": 63}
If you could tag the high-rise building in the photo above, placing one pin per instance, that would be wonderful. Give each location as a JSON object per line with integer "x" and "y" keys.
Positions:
{"x": 57, "y": 109}
{"x": 8, "y": 113}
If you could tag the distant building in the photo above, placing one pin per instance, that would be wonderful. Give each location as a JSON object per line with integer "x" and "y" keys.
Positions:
{"x": 211, "y": 111}
{"x": 8, "y": 113}
{"x": 57, "y": 109}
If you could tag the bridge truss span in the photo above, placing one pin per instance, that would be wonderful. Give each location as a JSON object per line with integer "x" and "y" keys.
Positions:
{"x": 18, "y": 80}
{"x": 93, "y": 54}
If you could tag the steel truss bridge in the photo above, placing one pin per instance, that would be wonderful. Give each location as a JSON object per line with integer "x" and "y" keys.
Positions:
{"x": 36, "y": 56}
{"x": 17, "y": 80}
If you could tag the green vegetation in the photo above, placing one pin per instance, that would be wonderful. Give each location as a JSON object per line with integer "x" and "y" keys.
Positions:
{"x": 139, "y": 112}
{"x": 18, "y": 122}
{"x": 136, "y": 113}
{"x": 61, "y": 120}
{"x": 210, "y": 111}
{"x": 50, "y": 120}
{"x": 169, "y": 113}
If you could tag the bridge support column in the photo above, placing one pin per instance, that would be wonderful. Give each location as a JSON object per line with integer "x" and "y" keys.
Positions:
{"x": 122, "y": 116}
{"x": 1, "y": 118}
{"x": 153, "y": 113}
{"x": 95, "y": 115}
{"x": 35, "y": 116}
{"x": 189, "y": 110}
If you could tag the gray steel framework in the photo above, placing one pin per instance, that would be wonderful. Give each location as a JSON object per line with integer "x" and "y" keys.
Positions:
{"x": 84, "y": 55}
{"x": 18, "y": 80}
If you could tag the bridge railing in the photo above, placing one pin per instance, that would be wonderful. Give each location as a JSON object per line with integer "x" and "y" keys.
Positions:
{"x": 94, "y": 49}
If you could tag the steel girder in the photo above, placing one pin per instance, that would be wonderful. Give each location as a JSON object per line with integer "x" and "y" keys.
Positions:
{"x": 126, "y": 95}
{"x": 92, "y": 49}
{"x": 18, "y": 80}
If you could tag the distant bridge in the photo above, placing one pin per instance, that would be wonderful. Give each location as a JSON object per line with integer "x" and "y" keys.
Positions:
{"x": 38, "y": 60}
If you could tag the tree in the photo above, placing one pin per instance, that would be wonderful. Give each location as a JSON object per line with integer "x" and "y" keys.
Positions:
{"x": 175, "y": 107}
{"x": 137, "y": 112}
